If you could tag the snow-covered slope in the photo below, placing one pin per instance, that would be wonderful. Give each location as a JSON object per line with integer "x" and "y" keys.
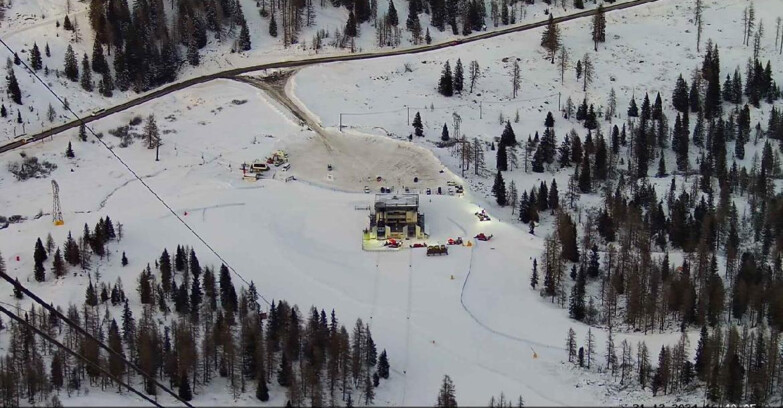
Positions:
{"x": 34, "y": 21}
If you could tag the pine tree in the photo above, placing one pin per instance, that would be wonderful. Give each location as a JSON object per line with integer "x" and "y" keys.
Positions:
{"x": 571, "y": 345}
{"x": 244, "y": 37}
{"x": 262, "y": 390}
{"x": 599, "y": 26}
{"x": 194, "y": 59}
{"x": 534, "y": 275}
{"x": 585, "y": 182}
{"x": 13, "y": 88}
{"x": 445, "y": 85}
{"x": 350, "y": 25}
{"x": 383, "y": 365}
{"x": 71, "y": 65}
{"x": 550, "y": 39}
{"x": 444, "y": 136}
{"x": 459, "y": 77}
{"x": 661, "y": 168}
{"x": 427, "y": 37}
{"x": 39, "y": 257}
{"x": 46, "y": 51}
{"x": 633, "y": 110}
{"x": 576, "y": 306}
{"x": 3, "y": 111}
{"x": 91, "y": 296}
{"x": 86, "y": 81}
{"x": 447, "y": 394}
{"x": 508, "y": 138}
{"x": 391, "y": 15}
{"x": 499, "y": 189}
{"x": 369, "y": 391}
{"x": 18, "y": 289}
{"x": 58, "y": 265}
{"x": 69, "y": 151}
{"x": 35, "y": 58}
{"x": 418, "y": 127}
{"x": 184, "y": 387}
{"x": 680, "y": 96}
{"x": 124, "y": 259}
{"x": 502, "y": 158}
{"x": 273, "y": 26}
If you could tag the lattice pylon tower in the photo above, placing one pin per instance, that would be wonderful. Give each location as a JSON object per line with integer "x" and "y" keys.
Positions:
{"x": 57, "y": 214}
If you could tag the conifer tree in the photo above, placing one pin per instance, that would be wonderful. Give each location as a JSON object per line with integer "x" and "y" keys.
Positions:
{"x": 534, "y": 275}
{"x": 58, "y": 265}
{"x": 445, "y": 85}
{"x": 69, "y": 151}
{"x": 459, "y": 77}
{"x": 508, "y": 138}
{"x": 86, "y": 81}
{"x": 35, "y": 58}
{"x": 71, "y": 65}
{"x": 39, "y": 256}
{"x": 444, "y": 136}
{"x": 383, "y": 365}
{"x": 680, "y": 96}
{"x": 3, "y": 111}
{"x": 244, "y": 37}
{"x": 599, "y": 26}
{"x": 576, "y": 306}
{"x": 550, "y": 39}
{"x": 273, "y": 26}
{"x": 418, "y": 127}
{"x": 13, "y": 88}
{"x": 585, "y": 181}
{"x": 391, "y": 15}
{"x": 91, "y": 297}
{"x": 184, "y": 387}
{"x": 502, "y": 158}
{"x": 124, "y": 259}
{"x": 350, "y": 25}
{"x": 262, "y": 390}
{"x": 633, "y": 110}
{"x": 499, "y": 189}
{"x": 447, "y": 394}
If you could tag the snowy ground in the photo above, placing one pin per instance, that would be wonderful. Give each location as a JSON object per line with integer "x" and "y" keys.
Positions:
{"x": 33, "y": 21}
{"x": 470, "y": 315}
{"x": 652, "y": 44}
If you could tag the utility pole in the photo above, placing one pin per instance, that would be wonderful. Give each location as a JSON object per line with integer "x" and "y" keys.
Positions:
{"x": 157, "y": 151}
{"x": 341, "y": 122}
{"x": 409, "y": 115}
{"x": 558, "y": 101}
{"x": 480, "y": 109}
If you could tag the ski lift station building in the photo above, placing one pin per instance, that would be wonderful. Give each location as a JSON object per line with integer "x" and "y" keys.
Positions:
{"x": 396, "y": 216}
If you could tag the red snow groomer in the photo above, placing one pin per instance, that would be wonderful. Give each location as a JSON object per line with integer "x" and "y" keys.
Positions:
{"x": 482, "y": 237}
{"x": 392, "y": 243}
{"x": 419, "y": 245}
{"x": 457, "y": 241}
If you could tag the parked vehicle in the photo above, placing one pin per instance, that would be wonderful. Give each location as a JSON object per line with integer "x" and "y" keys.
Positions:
{"x": 482, "y": 237}
{"x": 366, "y": 189}
{"x": 419, "y": 245}
{"x": 437, "y": 250}
{"x": 429, "y": 191}
{"x": 457, "y": 241}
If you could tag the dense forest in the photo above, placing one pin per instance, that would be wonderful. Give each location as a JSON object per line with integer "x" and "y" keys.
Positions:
{"x": 186, "y": 324}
